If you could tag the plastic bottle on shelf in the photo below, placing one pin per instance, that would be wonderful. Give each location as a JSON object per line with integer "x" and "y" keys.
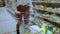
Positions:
{"x": 41, "y": 6}
{"x": 43, "y": 29}
{"x": 50, "y": 30}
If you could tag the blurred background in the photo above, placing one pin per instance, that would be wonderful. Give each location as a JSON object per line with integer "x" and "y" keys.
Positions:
{"x": 43, "y": 13}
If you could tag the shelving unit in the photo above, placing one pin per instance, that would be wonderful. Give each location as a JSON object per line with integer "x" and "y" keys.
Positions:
{"x": 50, "y": 18}
{"x": 50, "y": 11}
{"x": 48, "y": 4}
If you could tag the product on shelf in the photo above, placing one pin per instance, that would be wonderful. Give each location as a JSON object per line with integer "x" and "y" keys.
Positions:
{"x": 40, "y": 22}
{"x": 58, "y": 9}
{"x": 56, "y": 18}
{"x": 50, "y": 30}
{"x": 51, "y": 17}
{"x": 43, "y": 27}
{"x": 48, "y": 9}
{"x": 47, "y": 1}
{"x": 40, "y": 6}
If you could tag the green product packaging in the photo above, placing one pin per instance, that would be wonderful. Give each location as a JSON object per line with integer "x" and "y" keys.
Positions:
{"x": 50, "y": 30}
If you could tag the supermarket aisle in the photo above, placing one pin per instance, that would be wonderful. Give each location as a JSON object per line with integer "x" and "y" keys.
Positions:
{"x": 7, "y": 22}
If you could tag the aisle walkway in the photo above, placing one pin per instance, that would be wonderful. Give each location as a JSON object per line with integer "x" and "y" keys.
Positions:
{"x": 7, "y": 22}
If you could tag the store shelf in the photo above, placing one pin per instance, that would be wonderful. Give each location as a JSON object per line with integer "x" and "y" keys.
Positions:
{"x": 48, "y": 18}
{"x": 54, "y": 23}
{"x": 50, "y": 11}
{"x": 53, "y": 20}
{"x": 48, "y": 4}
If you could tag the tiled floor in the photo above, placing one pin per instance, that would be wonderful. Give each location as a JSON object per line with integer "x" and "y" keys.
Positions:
{"x": 7, "y": 22}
